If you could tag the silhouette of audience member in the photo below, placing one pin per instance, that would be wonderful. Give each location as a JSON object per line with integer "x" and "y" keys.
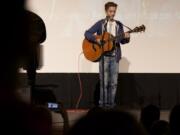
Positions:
{"x": 149, "y": 115}
{"x": 14, "y": 40}
{"x": 160, "y": 127}
{"x": 16, "y": 117}
{"x": 42, "y": 121}
{"x": 37, "y": 35}
{"x": 107, "y": 122}
{"x": 174, "y": 120}
{"x": 95, "y": 110}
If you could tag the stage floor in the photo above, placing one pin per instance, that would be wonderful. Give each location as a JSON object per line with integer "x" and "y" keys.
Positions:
{"x": 74, "y": 115}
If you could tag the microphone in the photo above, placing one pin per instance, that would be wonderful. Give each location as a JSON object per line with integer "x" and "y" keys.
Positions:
{"x": 108, "y": 18}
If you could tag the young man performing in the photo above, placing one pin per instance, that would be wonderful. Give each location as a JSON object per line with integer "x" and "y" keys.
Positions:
{"x": 109, "y": 62}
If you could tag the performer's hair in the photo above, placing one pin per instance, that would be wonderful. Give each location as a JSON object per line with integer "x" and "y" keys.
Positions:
{"x": 110, "y": 4}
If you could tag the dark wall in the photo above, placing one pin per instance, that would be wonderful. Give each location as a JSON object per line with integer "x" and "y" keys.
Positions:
{"x": 134, "y": 90}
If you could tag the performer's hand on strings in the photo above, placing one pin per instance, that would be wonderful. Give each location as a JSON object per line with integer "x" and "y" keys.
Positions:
{"x": 98, "y": 41}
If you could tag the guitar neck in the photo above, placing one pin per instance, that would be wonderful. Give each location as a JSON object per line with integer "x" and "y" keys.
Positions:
{"x": 135, "y": 30}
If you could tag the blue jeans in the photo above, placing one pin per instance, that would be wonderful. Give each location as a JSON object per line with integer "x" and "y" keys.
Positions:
{"x": 108, "y": 92}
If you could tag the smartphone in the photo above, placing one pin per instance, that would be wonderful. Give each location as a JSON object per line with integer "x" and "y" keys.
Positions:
{"x": 53, "y": 106}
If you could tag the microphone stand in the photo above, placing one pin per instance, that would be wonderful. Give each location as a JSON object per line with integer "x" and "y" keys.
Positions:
{"x": 103, "y": 71}
{"x": 103, "y": 82}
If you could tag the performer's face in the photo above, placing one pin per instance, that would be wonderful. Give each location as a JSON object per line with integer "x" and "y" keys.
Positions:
{"x": 111, "y": 12}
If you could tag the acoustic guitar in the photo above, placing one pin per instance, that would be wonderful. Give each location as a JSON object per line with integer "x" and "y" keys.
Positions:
{"x": 93, "y": 51}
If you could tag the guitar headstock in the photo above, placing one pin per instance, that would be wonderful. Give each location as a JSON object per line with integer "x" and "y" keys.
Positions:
{"x": 141, "y": 28}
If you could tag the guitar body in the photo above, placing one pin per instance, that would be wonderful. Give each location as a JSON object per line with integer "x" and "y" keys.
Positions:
{"x": 93, "y": 51}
